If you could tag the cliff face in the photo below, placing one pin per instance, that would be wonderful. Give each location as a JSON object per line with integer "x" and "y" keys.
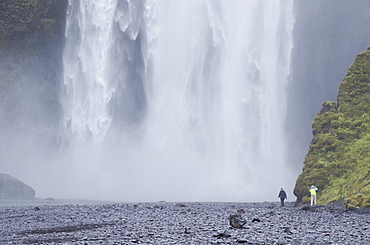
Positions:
{"x": 21, "y": 20}
{"x": 338, "y": 160}
{"x": 31, "y": 44}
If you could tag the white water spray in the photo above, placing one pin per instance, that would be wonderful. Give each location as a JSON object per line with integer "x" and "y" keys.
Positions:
{"x": 177, "y": 100}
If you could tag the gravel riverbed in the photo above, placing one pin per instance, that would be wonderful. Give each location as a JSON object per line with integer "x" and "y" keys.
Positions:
{"x": 50, "y": 222}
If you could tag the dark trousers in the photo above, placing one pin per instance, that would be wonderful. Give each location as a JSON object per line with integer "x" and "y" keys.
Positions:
{"x": 282, "y": 201}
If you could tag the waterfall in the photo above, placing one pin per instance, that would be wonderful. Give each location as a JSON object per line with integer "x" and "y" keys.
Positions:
{"x": 177, "y": 100}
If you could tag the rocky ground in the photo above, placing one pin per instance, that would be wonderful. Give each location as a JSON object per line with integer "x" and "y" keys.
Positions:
{"x": 52, "y": 222}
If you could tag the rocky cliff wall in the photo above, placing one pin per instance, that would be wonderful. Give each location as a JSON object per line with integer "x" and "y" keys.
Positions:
{"x": 31, "y": 45}
{"x": 338, "y": 160}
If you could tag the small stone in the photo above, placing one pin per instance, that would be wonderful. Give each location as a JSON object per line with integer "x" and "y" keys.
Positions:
{"x": 224, "y": 234}
{"x": 182, "y": 205}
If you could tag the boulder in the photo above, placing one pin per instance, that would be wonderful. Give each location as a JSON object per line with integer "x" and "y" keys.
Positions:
{"x": 12, "y": 188}
{"x": 237, "y": 221}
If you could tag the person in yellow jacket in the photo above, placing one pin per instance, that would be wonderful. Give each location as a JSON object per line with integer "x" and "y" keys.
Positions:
{"x": 313, "y": 191}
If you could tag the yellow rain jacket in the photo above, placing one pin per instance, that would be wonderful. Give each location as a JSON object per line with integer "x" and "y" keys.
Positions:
{"x": 313, "y": 190}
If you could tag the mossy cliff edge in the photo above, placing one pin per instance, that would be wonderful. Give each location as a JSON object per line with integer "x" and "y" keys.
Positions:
{"x": 338, "y": 160}
{"x": 23, "y": 22}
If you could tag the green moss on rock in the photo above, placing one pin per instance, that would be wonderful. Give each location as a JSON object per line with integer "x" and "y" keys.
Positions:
{"x": 49, "y": 26}
{"x": 338, "y": 161}
{"x": 22, "y": 20}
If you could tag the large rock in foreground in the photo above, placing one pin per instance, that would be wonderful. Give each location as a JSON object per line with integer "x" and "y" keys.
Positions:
{"x": 12, "y": 188}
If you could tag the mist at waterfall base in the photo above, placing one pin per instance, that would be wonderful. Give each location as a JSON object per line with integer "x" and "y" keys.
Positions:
{"x": 175, "y": 101}
{"x": 178, "y": 101}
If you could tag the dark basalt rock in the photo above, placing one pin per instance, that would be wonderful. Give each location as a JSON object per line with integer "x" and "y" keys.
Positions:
{"x": 40, "y": 222}
{"x": 224, "y": 234}
{"x": 12, "y": 188}
{"x": 237, "y": 221}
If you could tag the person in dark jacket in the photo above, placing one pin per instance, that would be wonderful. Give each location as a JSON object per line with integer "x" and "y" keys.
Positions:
{"x": 282, "y": 195}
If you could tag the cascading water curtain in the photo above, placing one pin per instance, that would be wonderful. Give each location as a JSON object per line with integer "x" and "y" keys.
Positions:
{"x": 178, "y": 100}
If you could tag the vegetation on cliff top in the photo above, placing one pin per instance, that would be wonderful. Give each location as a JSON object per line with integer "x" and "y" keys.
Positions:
{"x": 338, "y": 161}
{"x": 22, "y": 20}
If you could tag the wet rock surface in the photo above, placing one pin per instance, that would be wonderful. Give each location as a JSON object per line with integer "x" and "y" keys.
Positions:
{"x": 12, "y": 188}
{"x": 50, "y": 222}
